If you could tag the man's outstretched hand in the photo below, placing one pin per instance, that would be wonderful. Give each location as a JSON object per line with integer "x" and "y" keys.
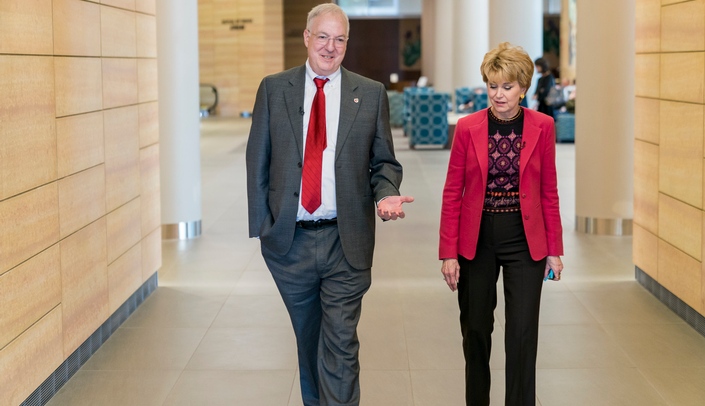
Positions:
{"x": 390, "y": 208}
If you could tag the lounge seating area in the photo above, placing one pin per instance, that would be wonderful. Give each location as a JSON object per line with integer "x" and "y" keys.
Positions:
{"x": 428, "y": 117}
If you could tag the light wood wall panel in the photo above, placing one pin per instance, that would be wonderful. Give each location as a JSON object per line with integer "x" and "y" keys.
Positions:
{"x": 78, "y": 85}
{"x": 235, "y": 61}
{"x": 76, "y": 28}
{"x": 30, "y": 224}
{"x": 151, "y": 253}
{"x": 81, "y": 199}
{"x": 646, "y": 77}
{"x": 648, "y": 26}
{"x": 79, "y": 142}
{"x": 118, "y": 32}
{"x": 123, "y": 229}
{"x": 680, "y": 273}
{"x": 124, "y": 277}
{"x": 84, "y": 283}
{"x": 26, "y": 27}
{"x": 28, "y": 292}
{"x": 122, "y": 156}
{"x": 146, "y": 6}
{"x": 149, "y": 190}
{"x": 683, "y": 26}
{"x": 682, "y": 77}
{"x": 149, "y": 123}
{"x": 680, "y": 225}
{"x": 27, "y": 124}
{"x": 670, "y": 90}
{"x": 647, "y": 127}
{"x": 645, "y": 250}
{"x": 119, "y": 82}
{"x": 681, "y": 152}
{"x": 147, "y": 80}
{"x": 646, "y": 185}
{"x": 146, "y": 36}
{"x": 126, "y": 4}
{"x": 26, "y": 360}
{"x": 70, "y": 139}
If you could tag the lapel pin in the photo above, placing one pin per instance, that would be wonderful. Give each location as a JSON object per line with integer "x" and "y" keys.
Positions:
{"x": 356, "y": 100}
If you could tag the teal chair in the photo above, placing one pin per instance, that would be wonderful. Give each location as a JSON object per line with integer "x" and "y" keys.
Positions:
{"x": 396, "y": 108}
{"x": 429, "y": 119}
{"x": 408, "y": 93}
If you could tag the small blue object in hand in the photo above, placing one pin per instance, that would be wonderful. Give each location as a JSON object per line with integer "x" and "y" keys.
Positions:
{"x": 550, "y": 275}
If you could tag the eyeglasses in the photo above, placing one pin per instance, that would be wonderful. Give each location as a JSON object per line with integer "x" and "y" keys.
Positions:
{"x": 322, "y": 39}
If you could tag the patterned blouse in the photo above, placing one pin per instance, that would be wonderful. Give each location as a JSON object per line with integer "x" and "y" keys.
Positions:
{"x": 502, "y": 195}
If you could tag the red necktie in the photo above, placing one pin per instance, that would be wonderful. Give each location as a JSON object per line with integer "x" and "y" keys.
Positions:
{"x": 315, "y": 144}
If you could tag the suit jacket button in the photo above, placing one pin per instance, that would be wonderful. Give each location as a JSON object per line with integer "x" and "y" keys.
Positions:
{"x": 523, "y": 195}
{"x": 526, "y": 217}
{"x": 299, "y": 164}
{"x": 296, "y": 194}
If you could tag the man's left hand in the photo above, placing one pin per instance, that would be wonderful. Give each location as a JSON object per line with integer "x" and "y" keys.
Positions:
{"x": 390, "y": 208}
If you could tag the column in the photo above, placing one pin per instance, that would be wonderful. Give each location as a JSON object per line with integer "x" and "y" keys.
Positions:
{"x": 444, "y": 45}
{"x": 519, "y": 22}
{"x": 471, "y": 41}
{"x": 605, "y": 117}
{"x": 179, "y": 121}
{"x": 428, "y": 39}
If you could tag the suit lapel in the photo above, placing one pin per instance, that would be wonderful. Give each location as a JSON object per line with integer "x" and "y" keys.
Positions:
{"x": 294, "y": 98}
{"x": 349, "y": 105}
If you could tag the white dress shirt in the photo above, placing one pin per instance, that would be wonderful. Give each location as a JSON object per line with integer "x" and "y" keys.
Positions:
{"x": 328, "y": 209}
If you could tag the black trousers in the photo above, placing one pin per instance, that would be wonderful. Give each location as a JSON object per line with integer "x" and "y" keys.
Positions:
{"x": 502, "y": 244}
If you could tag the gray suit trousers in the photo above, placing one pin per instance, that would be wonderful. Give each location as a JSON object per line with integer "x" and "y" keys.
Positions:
{"x": 323, "y": 295}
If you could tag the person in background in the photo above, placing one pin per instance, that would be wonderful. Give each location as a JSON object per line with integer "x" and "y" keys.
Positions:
{"x": 500, "y": 211}
{"x": 319, "y": 159}
{"x": 545, "y": 83}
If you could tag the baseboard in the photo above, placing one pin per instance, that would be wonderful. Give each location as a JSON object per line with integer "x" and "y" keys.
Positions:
{"x": 679, "y": 307}
{"x": 73, "y": 363}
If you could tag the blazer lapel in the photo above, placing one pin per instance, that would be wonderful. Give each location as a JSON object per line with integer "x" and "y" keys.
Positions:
{"x": 478, "y": 135}
{"x": 294, "y": 99}
{"x": 529, "y": 140}
{"x": 349, "y": 106}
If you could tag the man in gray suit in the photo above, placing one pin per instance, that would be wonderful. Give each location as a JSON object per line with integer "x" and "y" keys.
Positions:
{"x": 320, "y": 256}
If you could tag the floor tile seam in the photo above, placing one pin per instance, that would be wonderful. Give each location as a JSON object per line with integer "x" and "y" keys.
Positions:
{"x": 203, "y": 337}
{"x": 653, "y": 386}
{"x": 173, "y": 387}
{"x": 406, "y": 349}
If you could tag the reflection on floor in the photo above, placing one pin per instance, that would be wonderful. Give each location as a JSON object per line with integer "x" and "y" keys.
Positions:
{"x": 216, "y": 331}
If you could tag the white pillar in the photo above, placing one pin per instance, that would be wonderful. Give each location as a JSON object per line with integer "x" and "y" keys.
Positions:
{"x": 179, "y": 121}
{"x": 444, "y": 47}
{"x": 471, "y": 41}
{"x": 428, "y": 39}
{"x": 605, "y": 117}
{"x": 519, "y": 22}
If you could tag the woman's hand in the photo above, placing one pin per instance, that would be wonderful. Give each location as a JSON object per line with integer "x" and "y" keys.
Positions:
{"x": 556, "y": 264}
{"x": 451, "y": 272}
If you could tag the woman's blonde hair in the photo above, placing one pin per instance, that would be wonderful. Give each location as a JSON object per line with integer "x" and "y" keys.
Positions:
{"x": 508, "y": 62}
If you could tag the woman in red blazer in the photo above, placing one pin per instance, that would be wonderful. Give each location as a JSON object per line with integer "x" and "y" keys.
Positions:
{"x": 500, "y": 211}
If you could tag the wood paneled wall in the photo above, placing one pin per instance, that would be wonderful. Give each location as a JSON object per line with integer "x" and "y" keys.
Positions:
{"x": 236, "y": 60}
{"x": 669, "y": 146}
{"x": 79, "y": 175}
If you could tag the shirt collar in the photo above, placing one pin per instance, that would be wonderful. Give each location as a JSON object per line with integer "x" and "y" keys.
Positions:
{"x": 311, "y": 74}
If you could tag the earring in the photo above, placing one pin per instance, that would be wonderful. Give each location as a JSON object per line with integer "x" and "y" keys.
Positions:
{"x": 522, "y": 96}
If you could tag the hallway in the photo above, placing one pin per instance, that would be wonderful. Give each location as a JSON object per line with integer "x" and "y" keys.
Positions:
{"x": 216, "y": 331}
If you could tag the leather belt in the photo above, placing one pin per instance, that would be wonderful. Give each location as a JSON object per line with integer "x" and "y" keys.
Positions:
{"x": 316, "y": 224}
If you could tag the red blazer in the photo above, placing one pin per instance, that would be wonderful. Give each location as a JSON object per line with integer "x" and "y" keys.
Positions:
{"x": 466, "y": 183}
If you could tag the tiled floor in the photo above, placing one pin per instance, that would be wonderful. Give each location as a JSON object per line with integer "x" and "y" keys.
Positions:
{"x": 216, "y": 331}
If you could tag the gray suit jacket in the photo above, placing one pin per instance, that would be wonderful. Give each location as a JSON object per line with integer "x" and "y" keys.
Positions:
{"x": 366, "y": 169}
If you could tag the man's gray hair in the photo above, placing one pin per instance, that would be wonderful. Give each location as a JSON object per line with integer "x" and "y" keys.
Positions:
{"x": 326, "y": 8}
